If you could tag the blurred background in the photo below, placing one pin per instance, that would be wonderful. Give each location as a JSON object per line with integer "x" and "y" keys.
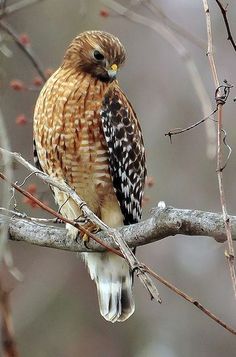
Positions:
{"x": 55, "y": 308}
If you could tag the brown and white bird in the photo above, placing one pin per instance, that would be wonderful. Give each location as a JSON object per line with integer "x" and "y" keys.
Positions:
{"x": 86, "y": 134}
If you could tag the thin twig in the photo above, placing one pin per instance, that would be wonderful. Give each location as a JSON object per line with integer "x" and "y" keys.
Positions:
{"x": 179, "y": 30}
{"x": 25, "y": 179}
{"x": 28, "y": 218}
{"x": 230, "y": 254}
{"x": 179, "y": 131}
{"x": 169, "y": 35}
{"x": 26, "y": 50}
{"x": 6, "y": 162}
{"x": 3, "y": 4}
{"x": 20, "y": 5}
{"x": 7, "y": 331}
{"x": 125, "y": 250}
{"x": 210, "y": 45}
{"x": 229, "y": 150}
{"x": 191, "y": 300}
{"x": 166, "y": 221}
{"x": 224, "y": 13}
{"x": 58, "y": 215}
{"x": 62, "y": 186}
{"x": 221, "y": 95}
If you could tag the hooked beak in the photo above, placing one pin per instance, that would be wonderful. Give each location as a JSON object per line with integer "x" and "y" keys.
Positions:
{"x": 112, "y": 72}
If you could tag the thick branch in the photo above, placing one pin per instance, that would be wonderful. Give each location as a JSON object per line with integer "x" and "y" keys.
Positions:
{"x": 127, "y": 253}
{"x": 163, "y": 223}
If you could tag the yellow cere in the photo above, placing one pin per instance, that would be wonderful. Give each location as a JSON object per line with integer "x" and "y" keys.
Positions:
{"x": 114, "y": 67}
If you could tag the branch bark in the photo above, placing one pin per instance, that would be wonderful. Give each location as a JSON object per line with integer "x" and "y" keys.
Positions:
{"x": 163, "y": 223}
{"x": 127, "y": 253}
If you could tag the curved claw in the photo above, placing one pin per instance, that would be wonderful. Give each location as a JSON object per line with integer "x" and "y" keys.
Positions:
{"x": 91, "y": 228}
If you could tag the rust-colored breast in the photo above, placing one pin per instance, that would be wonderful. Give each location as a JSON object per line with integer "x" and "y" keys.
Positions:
{"x": 68, "y": 133}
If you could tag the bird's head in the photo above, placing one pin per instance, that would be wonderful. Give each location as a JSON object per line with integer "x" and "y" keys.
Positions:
{"x": 96, "y": 52}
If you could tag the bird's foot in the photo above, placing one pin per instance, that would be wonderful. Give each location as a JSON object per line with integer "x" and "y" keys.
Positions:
{"x": 90, "y": 228}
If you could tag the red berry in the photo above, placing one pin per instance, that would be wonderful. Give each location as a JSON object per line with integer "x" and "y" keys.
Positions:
{"x": 37, "y": 81}
{"x": 30, "y": 202}
{"x": 21, "y": 119}
{"x": 31, "y": 188}
{"x": 145, "y": 200}
{"x": 104, "y": 13}
{"x": 24, "y": 39}
{"x": 16, "y": 84}
{"x": 150, "y": 181}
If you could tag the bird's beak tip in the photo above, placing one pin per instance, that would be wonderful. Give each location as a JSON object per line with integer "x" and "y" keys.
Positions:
{"x": 112, "y": 71}
{"x": 114, "y": 67}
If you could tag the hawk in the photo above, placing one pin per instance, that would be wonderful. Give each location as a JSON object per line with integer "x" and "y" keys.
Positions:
{"x": 87, "y": 134}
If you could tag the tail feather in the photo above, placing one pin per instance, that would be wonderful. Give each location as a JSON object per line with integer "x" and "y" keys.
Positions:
{"x": 114, "y": 285}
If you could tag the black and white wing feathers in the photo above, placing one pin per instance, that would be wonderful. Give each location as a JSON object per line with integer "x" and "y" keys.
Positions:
{"x": 126, "y": 153}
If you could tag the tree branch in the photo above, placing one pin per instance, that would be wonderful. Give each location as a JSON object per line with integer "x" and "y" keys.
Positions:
{"x": 127, "y": 253}
{"x": 167, "y": 32}
{"x": 163, "y": 223}
{"x": 221, "y": 95}
{"x": 27, "y": 51}
{"x": 5, "y": 162}
{"x": 7, "y": 331}
{"x": 224, "y": 14}
{"x": 20, "y": 5}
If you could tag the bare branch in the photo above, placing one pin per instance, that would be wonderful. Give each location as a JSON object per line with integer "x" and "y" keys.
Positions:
{"x": 229, "y": 150}
{"x": 126, "y": 252}
{"x": 175, "y": 27}
{"x": 224, "y": 14}
{"x": 221, "y": 95}
{"x": 180, "y": 131}
{"x": 27, "y": 51}
{"x": 194, "y": 75}
{"x": 163, "y": 223}
{"x": 15, "y": 213}
{"x": 58, "y": 215}
{"x": 230, "y": 254}
{"x": 192, "y": 301}
{"x": 210, "y": 44}
{"x": 7, "y": 331}
{"x": 5, "y": 161}
{"x": 176, "y": 225}
{"x": 20, "y": 5}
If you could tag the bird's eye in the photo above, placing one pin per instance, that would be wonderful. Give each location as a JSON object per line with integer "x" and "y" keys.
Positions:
{"x": 98, "y": 55}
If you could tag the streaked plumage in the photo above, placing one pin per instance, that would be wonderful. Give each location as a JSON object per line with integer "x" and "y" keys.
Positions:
{"x": 87, "y": 134}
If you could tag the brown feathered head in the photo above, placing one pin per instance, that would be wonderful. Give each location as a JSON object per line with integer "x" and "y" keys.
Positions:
{"x": 97, "y": 53}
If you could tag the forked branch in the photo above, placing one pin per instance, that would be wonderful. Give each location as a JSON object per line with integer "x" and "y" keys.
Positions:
{"x": 125, "y": 251}
{"x": 164, "y": 222}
